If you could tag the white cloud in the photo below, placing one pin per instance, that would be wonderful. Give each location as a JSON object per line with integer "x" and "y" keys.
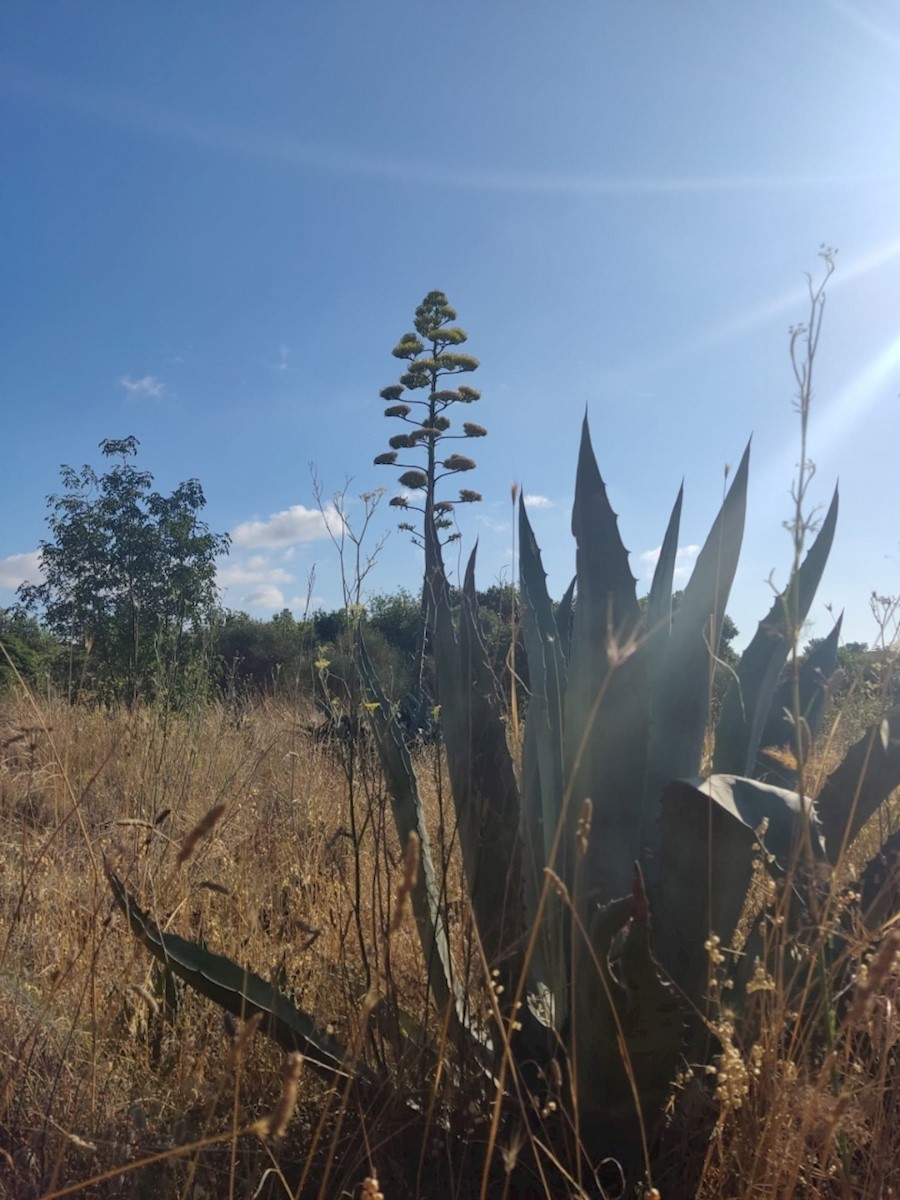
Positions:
{"x": 288, "y": 554}
{"x": 537, "y": 502}
{"x": 20, "y": 568}
{"x": 265, "y": 596}
{"x": 493, "y": 524}
{"x": 684, "y": 560}
{"x": 255, "y": 570}
{"x": 146, "y": 388}
{"x": 294, "y": 524}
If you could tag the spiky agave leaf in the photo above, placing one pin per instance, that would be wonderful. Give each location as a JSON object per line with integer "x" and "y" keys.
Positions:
{"x": 815, "y": 677}
{"x": 409, "y": 817}
{"x": 485, "y": 791}
{"x": 659, "y": 601}
{"x": 854, "y": 790}
{"x": 481, "y": 771}
{"x": 564, "y": 617}
{"x": 679, "y": 706}
{"x": 543, "y": 767}
{"x": 606, "y": 709}
{"x": 709, "y": 829}
{"x": 879, "y": 885}
{"x": 628, "y": 1031}
{"x": 749, "y": 698}
{"x": 237, "y": 990}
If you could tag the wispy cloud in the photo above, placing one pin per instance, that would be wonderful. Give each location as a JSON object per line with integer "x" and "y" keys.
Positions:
{"x": 291, "y": 525}
{"x": 146, "y": 388}
{"x": 20, "y": 568}
{"x": 684, "y": 560}
{"x": 493, "y": 524}
{"x": 535, "y": 501}
{"x": 282, "y": 362}
{"x": 123, "y": 111}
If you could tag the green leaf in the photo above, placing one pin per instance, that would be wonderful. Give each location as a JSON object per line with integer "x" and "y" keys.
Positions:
{"x": 680, "y": 701}
{"x": 409, "y": 817}
{"x": 659, "y": 602}
{"x": 484, "y": 790}
{"x": 606, "y": 709}
{"x": 478, "y": 763}
{"x": 564, "y": 618}
{"x": 709, "y": 828}
{"x": 629, "y": 1024}
{"x": 748, "y": 700}
{"x": 856, "y": 789}
{"x": 879, "y": 885}
{"x": 542, "y": 792}
{"x": 237, "y": 990}
{"x": 816, "y": 673}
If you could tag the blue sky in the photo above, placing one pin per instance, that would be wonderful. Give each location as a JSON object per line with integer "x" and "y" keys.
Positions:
{"x": 219, "y": 218}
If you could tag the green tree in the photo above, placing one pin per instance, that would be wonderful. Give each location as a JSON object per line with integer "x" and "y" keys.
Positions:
{"x": 27, "y": 652}
{"x": 260, "y": 657}
{"x": 128, "y": 573}
{"x": 432, "y": 355}
{"x": 397, "y": 617}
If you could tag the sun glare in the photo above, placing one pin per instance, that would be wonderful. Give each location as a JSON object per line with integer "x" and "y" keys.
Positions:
{"x": 856, "y": 400}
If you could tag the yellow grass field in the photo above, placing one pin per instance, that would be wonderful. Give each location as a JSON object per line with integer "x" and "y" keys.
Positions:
{"x": 112, "y": 1083}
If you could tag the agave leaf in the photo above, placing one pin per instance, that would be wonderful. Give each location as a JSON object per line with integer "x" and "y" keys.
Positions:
{"x": 486, "y": 795}
{"x": 237, "y": 990}
{"x": 606, "y": 708}
{"x": 481, "y": 771}
{"x": 409, "y": 816}
{"x": 748, "y": 700}
{"x": 531, "y": 831}
{"x": 709, "y": 829}
{"x": 879, "y": 885}
{"x": 659, "y": 602}
{"x": 542, "y": 791}
{"x": 855, "y": 789}
{"x": 564, "y": 615}
{"x": 816, "y": 673}
{"x": 682, "y": 686}
{"x": 629, "y": 1027}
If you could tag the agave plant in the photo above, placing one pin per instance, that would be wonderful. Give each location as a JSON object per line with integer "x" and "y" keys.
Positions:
{"x": 612, "y": 816}
{"x": 615, "y": 817}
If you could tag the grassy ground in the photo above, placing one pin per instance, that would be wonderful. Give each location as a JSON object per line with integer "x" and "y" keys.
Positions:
{"x": 112, "y": 1084}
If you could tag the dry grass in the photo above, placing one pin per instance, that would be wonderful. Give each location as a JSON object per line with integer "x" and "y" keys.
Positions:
{"x": 91, "y": 1053}
{"x": 294, "y": 869}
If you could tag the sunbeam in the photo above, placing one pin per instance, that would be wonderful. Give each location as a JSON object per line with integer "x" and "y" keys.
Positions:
{"x": 788, "y": 302}
{"x": 855, "y": 401}
{"x": 866, "y": 25}
{"x": 836, "y": 420}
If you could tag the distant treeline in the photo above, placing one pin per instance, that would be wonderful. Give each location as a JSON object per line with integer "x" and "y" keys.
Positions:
{"x": 241, "y": 656}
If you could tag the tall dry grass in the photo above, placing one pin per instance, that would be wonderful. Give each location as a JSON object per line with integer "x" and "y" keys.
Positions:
{"x": 114, "y": 1084}
{"x": 295, "y": 878}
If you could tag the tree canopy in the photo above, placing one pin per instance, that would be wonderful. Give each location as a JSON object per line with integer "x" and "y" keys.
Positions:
{"x": 128, "y": 572}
